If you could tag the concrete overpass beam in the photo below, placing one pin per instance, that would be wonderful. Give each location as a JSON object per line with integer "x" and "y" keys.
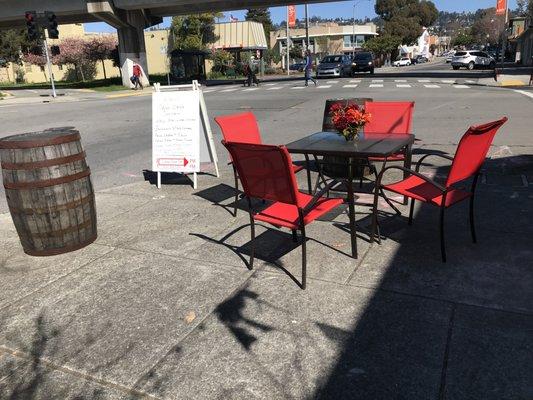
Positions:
{"x": 131, "y": 46}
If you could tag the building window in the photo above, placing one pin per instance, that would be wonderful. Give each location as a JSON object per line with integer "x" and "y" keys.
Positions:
{"x": 359, "y": 41}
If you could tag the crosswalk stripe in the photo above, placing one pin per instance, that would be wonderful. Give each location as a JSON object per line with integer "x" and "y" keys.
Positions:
{"x": 332, "y": 82}
{"x": 432, "y": 86}
{"x": 350, "y": 86}
{"x": 298, "y": 87}
{"x": 461, "y": 87}
{"x": 377, "y": 80}
{"x": 250, "y": 89}
{"x": 448, "y": 81}
{"x": 376, "y": 85}
{"x": 275, "y": 88}
{"x": 400, "y": 80}
{"x": 355, "y": 81}
{"x": 228, "y": 90}
{"x": 403, "y": 86}
{"x": 324, "y": 86}
{"x": 469, "y": 81}
{"x": 424, "y": 80}
{"x": 270, "y": 84}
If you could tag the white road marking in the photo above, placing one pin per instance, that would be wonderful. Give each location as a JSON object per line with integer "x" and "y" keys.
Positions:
{"x": 375, "y": 85}
{"x": 461, "y": 87}
{"x": 250, "y": 89}
{"x": 270, "y": 84}
{"x": 525, "y": 93}
{"x": 275, "y": 88}
{"x": 350, "y": 86}
{"x": 424, "y": 80}
{"x": 298, "y": 87}
{"x": 377, "y": 80}
{"x": 209, "y": 90}
{"x": 447, "y": 81}
{"x": 355, "y": 81}
{"x": 469, "y": 81}
{"x": 323, "y": 87}
{"x": 403, "y": 86}
{"x": 332, "y": 82}
{"x": 400, "y": 80}
{"x": 228, "y": 90}
{"x": 432, "y": 86}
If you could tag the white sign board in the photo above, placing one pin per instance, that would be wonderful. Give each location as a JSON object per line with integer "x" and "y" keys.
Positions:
{"x": 176, "y": 131}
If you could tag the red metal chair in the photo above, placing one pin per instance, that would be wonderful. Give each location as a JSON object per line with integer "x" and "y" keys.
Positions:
{"x": 241, "y": 128}
{"x": 267, "y": 173}
{"x": 469, "y": 158}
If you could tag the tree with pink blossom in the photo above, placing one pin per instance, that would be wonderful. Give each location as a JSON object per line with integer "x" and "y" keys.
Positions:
{"x": 36, "y": 57}
{"x": 100, "y": 48}
{"x": 72, "y": 52}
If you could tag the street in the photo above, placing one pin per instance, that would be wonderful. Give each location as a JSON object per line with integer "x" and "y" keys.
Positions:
{"x": 116, "y": 131}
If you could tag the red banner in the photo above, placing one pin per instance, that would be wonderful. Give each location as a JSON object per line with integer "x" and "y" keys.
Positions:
{"x": 291, "y": 10}
{"x": 501, "y": 7}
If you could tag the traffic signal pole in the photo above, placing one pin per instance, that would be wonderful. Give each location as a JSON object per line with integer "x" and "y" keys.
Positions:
{"x": 49, "y": 64}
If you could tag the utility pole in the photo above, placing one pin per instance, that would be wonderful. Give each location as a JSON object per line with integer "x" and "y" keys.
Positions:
{"x": 306, "y": 27}
{"x": 49, "y": 64}
{"x": 288, "y": 41}
{"x": 353, "y": 32}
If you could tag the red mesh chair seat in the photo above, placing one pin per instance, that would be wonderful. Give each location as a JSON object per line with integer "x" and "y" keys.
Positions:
{"x": 393, "y": 157}
{"x": 419, "y": 189}
{"x": 286, "y": 215}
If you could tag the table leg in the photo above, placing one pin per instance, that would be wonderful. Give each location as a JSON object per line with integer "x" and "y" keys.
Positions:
{"x": 407, "y": 164}
{"x": 308, "y": 173}
{"x": 351, "y": 209}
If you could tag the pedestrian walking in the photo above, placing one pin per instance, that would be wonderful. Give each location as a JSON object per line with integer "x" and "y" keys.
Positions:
{"x": 251, "y": 76}
{"x": 137, "y": 75}
{"x": 309, "y": 68}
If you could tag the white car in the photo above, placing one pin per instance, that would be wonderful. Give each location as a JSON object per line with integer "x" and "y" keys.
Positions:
{"x": 404, "y": 61}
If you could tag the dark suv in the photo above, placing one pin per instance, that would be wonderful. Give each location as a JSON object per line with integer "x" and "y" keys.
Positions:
{"x": 363, "y": 62}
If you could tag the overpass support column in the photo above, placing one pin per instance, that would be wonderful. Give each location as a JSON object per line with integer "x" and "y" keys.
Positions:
{"x": 132, "y": 50}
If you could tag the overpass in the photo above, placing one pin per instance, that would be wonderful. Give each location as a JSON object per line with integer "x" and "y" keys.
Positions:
{"x": 129, "y": 17}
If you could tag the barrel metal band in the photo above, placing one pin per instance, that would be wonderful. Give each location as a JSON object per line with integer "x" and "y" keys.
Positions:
{"x": 52, "y": 209}
{"x": 62, "y": 250}
{"x": 44, "y": 163}
{"x": 29, "y": 144}
{"x": 47, "y": 183}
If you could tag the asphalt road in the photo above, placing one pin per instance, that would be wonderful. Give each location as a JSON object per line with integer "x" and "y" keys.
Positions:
{"x": 116, "y": 132}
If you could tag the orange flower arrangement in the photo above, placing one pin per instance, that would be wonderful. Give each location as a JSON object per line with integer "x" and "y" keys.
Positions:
{"x": 349, "y": 119}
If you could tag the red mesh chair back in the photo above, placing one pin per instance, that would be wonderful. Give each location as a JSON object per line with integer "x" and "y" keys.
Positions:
{"x": 390, "y": 117}
{"x": 265, "y": 171}
{"x": 472, "y": 150}
{"x": 240, "y": 127}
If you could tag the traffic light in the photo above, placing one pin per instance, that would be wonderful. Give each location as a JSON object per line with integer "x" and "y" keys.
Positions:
{"x": 51, "y": 21}
{"x": 31, "y": 23}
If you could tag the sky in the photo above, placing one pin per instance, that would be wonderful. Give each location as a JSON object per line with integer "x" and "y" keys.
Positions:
{"x": 363, "y": 9}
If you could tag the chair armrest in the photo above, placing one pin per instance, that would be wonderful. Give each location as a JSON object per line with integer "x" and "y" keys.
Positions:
{"x": 419, "y": 162}
{"x": 318, "y": 196}
{"x": 410, "y": 171}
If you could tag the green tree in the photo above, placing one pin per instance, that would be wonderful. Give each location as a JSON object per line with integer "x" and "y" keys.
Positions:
{"x": 261, "y": 15}
{"x": 382, "y": 45}
{"x": 405, "y": 18}
{"x": 222, "y": 61}
{"x": 296, "y": 51}
{"x": 463, "y": 39}
{"x": 487, "y": 28}
{"x": 192, "y": 32}
{"x": 12, "y": 44}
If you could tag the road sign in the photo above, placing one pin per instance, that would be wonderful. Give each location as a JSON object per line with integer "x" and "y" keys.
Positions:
{"x": 501, "y": 7}
{"x": 292, "y": 16}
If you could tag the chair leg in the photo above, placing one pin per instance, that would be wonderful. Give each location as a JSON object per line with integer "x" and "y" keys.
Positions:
{"x": 375, "y": 218}
{"x": 304, "y": 259}
{"x": 236, "y": 191}
{"x": 294, "y": 236}
{"x": 411, "y": 210}
{"x": 472, "y": 224}
{"x": 442, "y": 243}
{"x": 252, "y": 242}
{"x": 389, "y": 202}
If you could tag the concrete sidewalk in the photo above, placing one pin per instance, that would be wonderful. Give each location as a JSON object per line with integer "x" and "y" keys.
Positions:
{"x": 163, "y": 306}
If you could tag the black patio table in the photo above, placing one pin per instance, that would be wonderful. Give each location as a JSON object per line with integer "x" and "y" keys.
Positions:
{"x": 369, "y": 145}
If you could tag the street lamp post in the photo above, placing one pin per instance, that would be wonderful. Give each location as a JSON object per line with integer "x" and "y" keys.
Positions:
{"x": 355, "y": 3}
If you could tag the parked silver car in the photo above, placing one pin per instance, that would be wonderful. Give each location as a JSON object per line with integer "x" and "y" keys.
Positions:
{"x": 336, "y": 65}
{"x": 472, "y": 59}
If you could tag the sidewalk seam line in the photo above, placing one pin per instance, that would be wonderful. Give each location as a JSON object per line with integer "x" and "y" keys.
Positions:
{"x": 442, "y": 387}
{"x": 51, "y": 365}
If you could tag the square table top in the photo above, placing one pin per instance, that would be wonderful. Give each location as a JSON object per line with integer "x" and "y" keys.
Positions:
{"x": 331, "y": 143}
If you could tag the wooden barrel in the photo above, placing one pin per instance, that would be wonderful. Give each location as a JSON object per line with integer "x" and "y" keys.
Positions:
{"x": 49, "y": 191}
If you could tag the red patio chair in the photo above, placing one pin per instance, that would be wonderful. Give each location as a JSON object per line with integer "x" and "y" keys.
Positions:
{"x": 469, "y": 158}
{"x": 267, "y": 173}
{"x": 241, "y": 128}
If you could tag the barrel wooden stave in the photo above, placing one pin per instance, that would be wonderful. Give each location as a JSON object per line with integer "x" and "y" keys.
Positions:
{"x": 54, "y": 218}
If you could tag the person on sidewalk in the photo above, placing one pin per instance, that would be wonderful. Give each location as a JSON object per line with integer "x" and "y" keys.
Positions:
{"x": 309, "y": 68}
{"x": 137, "y": 75}
{"x": 252, "y": 78}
